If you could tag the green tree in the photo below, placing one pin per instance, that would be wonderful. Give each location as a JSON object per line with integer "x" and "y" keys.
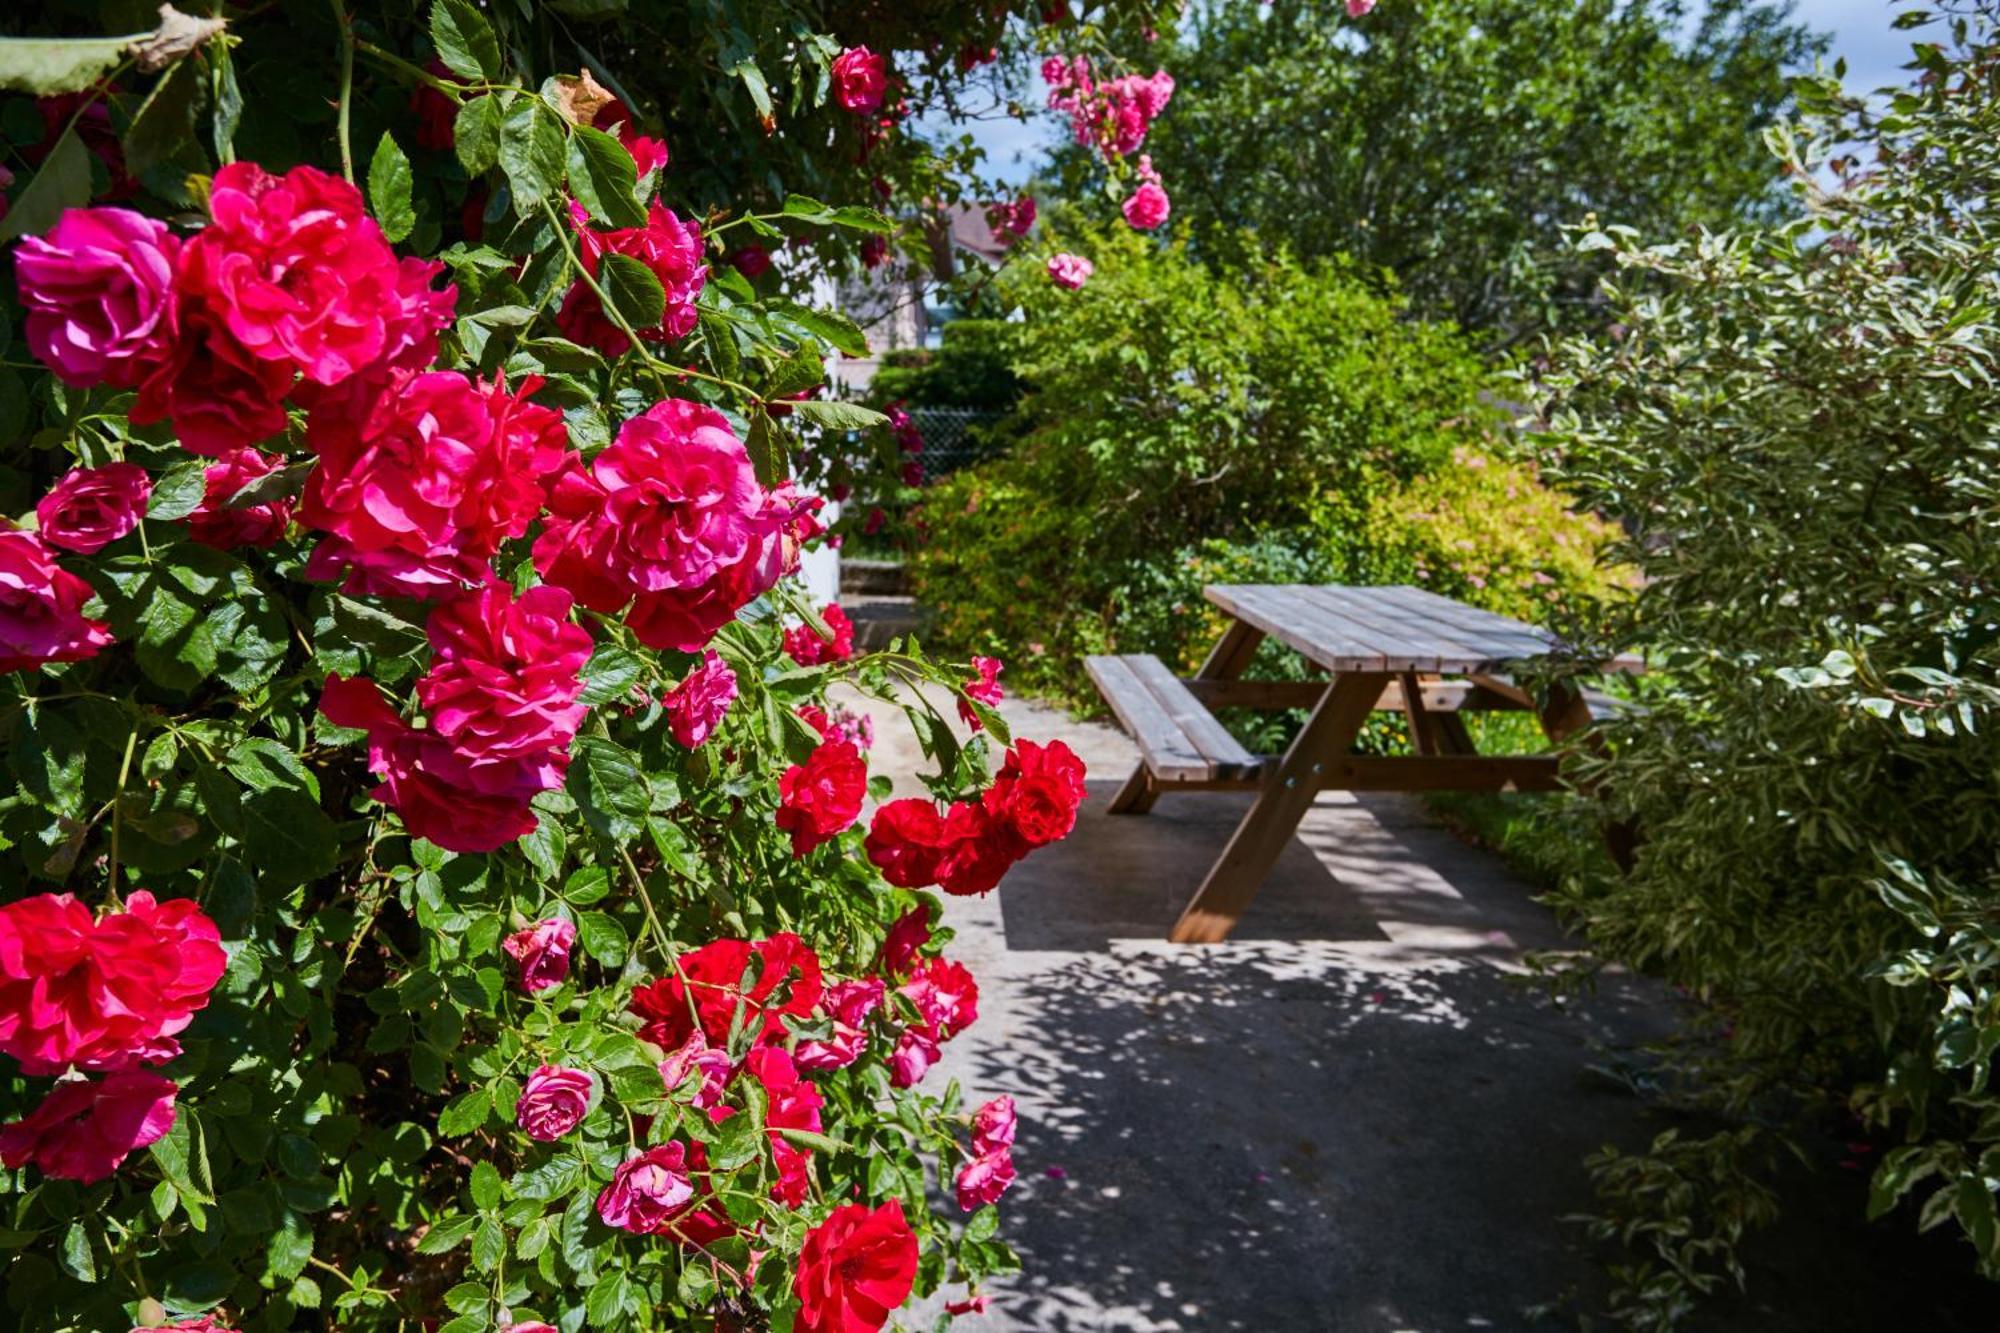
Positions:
{"x": 1451, "y": 142}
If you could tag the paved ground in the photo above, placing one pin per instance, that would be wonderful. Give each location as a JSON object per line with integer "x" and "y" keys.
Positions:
{"x": 1353, "y": 1116}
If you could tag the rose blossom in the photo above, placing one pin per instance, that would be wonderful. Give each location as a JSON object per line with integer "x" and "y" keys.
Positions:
{"x": 1360, "y": 8}
{"x": 984, "y": 1179}
{"x": 860, "y": 78}
{"x": 219, "y": 396}
{"x": 504, "y": 677}
{"x": 984, "y": 688}
{"x": 296, "y": 270}
{"x": 1070, "y": 271}
{"x": 906, "y": 939}
{"x": 420, "y": 487}
{"x": 696, "y": 1054}
{"x": 821, "y": 797}
{"x": 848, "y": 1004}
{"x": 972, "y": 1304}
{"x": 554, "y": 1101}
{"x": 1147, "y": 207}
{"x": 647, "y": 1190}
{"x": 41, "y": 607}
{"x": 906, "y": 842}
{"x": 532, "y": 1326}
{"x": 790, "y": 1103}
{"x": 994, "y": 1125}
{"x": 979, "y": 849}
{"x": 91, "y": 507}
{"x": 215, "y": 522}
{"x": 542, "y": 952}
{"x": 714, "y": 973}
{"x": 82, "y": 1131}
{"x": 669, "y": 248}
{"x": 945, "y": 994}
{"x": 752, "y": 261}
{"x": 696, "y": 706}
{"x": 102, "y": 992}
{"x": 455, "y": 802}
{"x": 915, "y": 1052}
{"x": 805, "y": 645}
{"x": 205, "y": 1324}
{"x": 1038, "y": 792}
{"x": 855, "y": 1269}
{"x": 98, "y": 290}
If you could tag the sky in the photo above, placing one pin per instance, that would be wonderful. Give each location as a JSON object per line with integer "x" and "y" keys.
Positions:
{"x": 1860, "y": 29}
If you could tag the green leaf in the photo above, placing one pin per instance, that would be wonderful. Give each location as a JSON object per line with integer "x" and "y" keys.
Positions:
{"x": 984, "y": 1224}
{"x": 603, "y": 938}
{"x": 465, "y": 1114}
{"x": 839, "y": 416}
{"x": 488, "y": 1190}
{"x": 62, "y": 182}
{"x": 464, "y": 40}
{"x": 697, "y": 1285}
{"x": 609, "y": 789}
{"x": 389, "y": 190}
{"x": 799, "y": 206}
{"x": 608, "y": 1299}
{"x": 634, "y": 291}
{"x": 609, "y": 674}
{"x": 76, "y": 1257}
{"x": 475, "y": 134}
{"x": 163, "y": 125}
{"x": 863, "y": 219}
{"x": 831, "y": 326}
{"x": 262, "y": 764}
{"x": 604, "y": 178}
{"x": 446, "y": 1235}
{"x": 288, "y": 837}
{"x": 179, "y": 490}
{"x": 45, "y": 66}
{"x": 531, "y": 152}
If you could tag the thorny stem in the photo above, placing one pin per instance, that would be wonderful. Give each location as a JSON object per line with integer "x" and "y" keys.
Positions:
{"x": 346, "y": 86}
{"x": 117, "y": 797}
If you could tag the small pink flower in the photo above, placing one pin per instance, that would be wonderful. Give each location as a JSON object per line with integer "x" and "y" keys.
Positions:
{"x": 970, "y": 1305}
{"x": 916, "y": 1051}
{"x": 542, "y": 953}
{"x": 984, "y": 1179}
{"x": 1359, "y": 8}
{"x": 647, "y": 1190}
{"x": 692, "y": 1054}
{"x": 1147, "y": 207}
{"x": 532, "y": 1326}
{"x": 696, "y": 706}
{"x": 994, "y": 1125}
{"x": 553, "y": 1102}
{"x": 860, "y": 78}
{"x": 91, "y": 507}
{"x": 1070, "y": 271}
{"x": 985, "y": 688}
{"x": 205, "y": 1324}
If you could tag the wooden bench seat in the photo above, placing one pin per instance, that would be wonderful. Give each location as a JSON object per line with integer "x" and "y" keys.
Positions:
{"x": 1180, "y": 739}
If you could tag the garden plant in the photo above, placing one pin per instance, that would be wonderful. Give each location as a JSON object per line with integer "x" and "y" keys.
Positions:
{"x": 434, "y": 886}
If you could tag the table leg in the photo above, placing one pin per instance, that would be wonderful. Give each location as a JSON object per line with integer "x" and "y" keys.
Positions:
{"x": 1565, "y": 715}
{"x": 1234, "y": 879}
{"x": 1232, "y": 653}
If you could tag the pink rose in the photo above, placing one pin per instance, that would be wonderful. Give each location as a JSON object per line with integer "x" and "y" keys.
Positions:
{"x": 504, "y": 677}
{"x": 459, "y": 804}
{"x": 205, "y": 1324}
{"x": 692, "y": 1054}
{"x": 1070, "y": 271}
{"x": 1147, "y": 207}
{"x": 541, "y": 952}
{"x": 41, "y": 608}
{"x": 860, "y": 78}
{"x": 971, "y": 1304}
{"x": 219, "y": 524}
{"x": 532, "y": 1326}
{"x": 91, "y": 507}
{"x": 83, "y": 1130}
{"x": 420, "y": 485}
{"x": 983, "y": 688}
{"x": 696, "y": 706}
{"x": 916, "y": 1051}
{"x": 648, "y": 155}
{"x": 945, "y": 994}
{"x": 1360, "y": 8}
{"x": 984, "y": 1179}
{"x": 847, "y": 1004}
{"x": 98, "y": 290}
{"x": 296, "y": 270}
{"x": 670, "y": 248}
{"x": 554, "y": 1101}
{"x": 647, "y": 1191}
{"x": 994, "y": 1125}
{"x": 219, "y": 396}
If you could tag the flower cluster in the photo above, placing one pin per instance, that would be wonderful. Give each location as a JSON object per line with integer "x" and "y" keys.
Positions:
{"x": 808, "y": 647}
{"x": 1070, "y": 271}
{"x": 105, "y": 994}
{"x": 966, "y": 850}
{"x": 1148, "y": 206}
{"x": 1112, "y": 116}
{"x": 669, "y": 248}
{"x": 990, "y": 1169}
{"x": 821, "y": 798}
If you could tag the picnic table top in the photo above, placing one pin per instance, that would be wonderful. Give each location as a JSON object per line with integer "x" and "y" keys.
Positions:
{"x": 1387, "y": 629}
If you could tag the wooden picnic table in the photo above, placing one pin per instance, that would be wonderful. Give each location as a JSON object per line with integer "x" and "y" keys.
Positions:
{"x": 1389, "y": 648}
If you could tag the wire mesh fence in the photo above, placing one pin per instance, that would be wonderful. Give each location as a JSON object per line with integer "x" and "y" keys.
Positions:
{"x": 955, "y": 437}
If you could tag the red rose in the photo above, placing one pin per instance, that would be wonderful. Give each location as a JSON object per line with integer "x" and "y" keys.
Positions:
{"x": 945, "y": 994}
{"x": 436, "y": 114}
{"x": 218, "y": 394}
{"x": 219, "y": 524}
{"x": 906, "y": 842}
{"x": 457, "y": 802}
{"x": 102, "y": 992}
{"x": 860, "y": 78}
{"x": 714, "y": 973}
{"x": 1038, "y": 792}
{"x": 91, "y": 507}
{"x": 821, "y": 797}
{"x": 82, "y": 1131}
{"x": 979, "y": 850}
{"x": 752, "y": 261}
{"x": 421, "y": 486}
{"x": 807, "y": 648}
{"x": 670, "y": 248}
{"x": 856, "y": 1269}
{"x": 906, "y": 939}
{"x": 790, "y": 1103}
{"x": 41, "y": 608}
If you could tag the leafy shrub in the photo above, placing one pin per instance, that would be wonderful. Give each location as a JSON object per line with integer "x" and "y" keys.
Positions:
{"x": 1798, "y": 429}
{"x": 431, "y": 891}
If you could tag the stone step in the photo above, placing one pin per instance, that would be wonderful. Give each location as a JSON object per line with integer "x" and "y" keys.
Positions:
{"x": 879, "y": 619}
{"x": 873, "y": 578}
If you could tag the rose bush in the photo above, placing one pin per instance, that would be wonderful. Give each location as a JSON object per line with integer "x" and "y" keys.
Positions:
{"x": 438, "y": 891}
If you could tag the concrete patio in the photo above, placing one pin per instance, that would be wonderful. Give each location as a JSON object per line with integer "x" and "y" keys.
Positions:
{"x": 1352, "y": 1116}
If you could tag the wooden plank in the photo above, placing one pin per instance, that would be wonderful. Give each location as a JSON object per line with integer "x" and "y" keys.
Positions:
{"x": 1223, "y": 751}
{"x": 1168, "y": 752}
{"x": 1280, "y": 618}
{"x": 1457, "y": 649}
{"x": 1488, "y": 637}
{"x": 1232, "y": 882}
{"x": 1425, "y": 738}
{"x": 1448, "y": 772}
{"x": 1414, "y": 642}
{"x": 1232, "y": 652}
